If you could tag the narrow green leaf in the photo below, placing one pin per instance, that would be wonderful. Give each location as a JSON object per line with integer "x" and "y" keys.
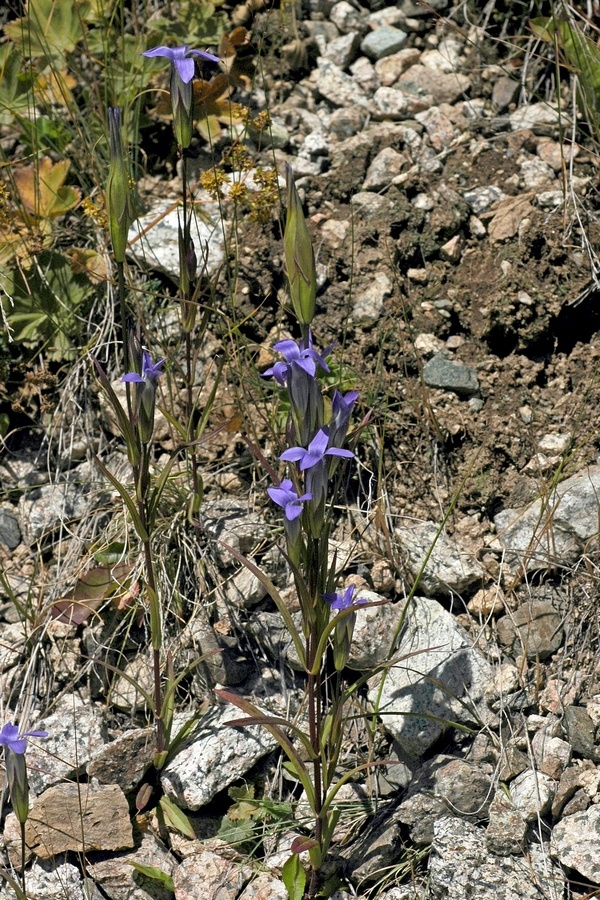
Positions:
{"x": 153, "y": 873}
{"x": 135, "y": 516}
{"x": 176, "y": 818}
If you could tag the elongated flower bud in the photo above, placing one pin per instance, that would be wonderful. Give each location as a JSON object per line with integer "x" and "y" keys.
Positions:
{"x": 118, "y": 203}
{"x": 299, "y": 256}
{"x": 18, "y": 784}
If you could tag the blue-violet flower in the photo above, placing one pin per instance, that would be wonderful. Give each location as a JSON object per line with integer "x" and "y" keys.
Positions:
{"x": 181, "y": 59}
{"x": 17, "y": 743}
{"x": 316, "y": 451}
{"x": 306, "y": 358}
{"x": 286, "y": 496}
{"x": 340, "y": 602}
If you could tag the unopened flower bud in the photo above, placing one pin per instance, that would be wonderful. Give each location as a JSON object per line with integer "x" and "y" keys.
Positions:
{"x": 118, "y": 203}
{"x": 299, "y": 256}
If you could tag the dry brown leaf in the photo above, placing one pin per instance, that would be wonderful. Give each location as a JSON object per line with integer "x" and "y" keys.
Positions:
{"x": 507, "y": 216}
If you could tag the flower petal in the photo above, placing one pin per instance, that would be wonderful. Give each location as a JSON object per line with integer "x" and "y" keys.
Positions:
{"x": 133, "y": 376}
{"x": 160, "y": 51}
{"x": 185, "y": 68}
{"x": 335, "y": 451}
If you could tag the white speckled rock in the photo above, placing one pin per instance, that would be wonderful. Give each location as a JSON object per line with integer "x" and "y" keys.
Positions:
{"x": 576, "y": 842}
{"x": 216, "y": 757}
{"x": 438, "y": 667}
{"x": 532, "y": 794}
{"x": 461, "y": 868}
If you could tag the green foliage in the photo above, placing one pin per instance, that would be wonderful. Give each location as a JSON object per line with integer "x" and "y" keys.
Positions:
{"x": 294, "y": 877}
{"x": 154, "y": 874}
{"x": 50, "y": 29}
{"x": 246, "y": 820}
{"x": 15, "y": 85}
{"x": 43, "y": 304}
{"x": 582, "y": 55}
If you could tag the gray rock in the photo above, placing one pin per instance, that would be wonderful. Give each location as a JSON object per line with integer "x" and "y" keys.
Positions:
{"x": 481, "y": 199}
{"x": 387, "y": 164}
{"x": 449, "y": 569}
{"x": 536, "y": 174}
{"x": 555, "y": 530}
{"x": 206, "y": 874}
{"x": 373, "y": 632}
{"x": 438, "y": 667}
{"x": 344, "y": 49}
{"x": 229, "y": 522}
{"x": 438, "y": 126}
{"x": 532, "y": 794}
{"x": 441, "y": 86}
{"x": 75, "y": 735}
{"x": 264, "y": 887}
{"x": 535, "y": 115}
{"x": 383, "y": 42}
{"x": 57, "y": 881}
{"x": 43, "y": 510}
{"x": 124, "y": 760}
{"x": 444, "y": 373}
{"x": 154, "y": 238}
{"x": 444, "y": 786}
{"x": 398, "y": 103}
{"x": 446, "y": 57}
{"x": 377, "y": 849}
{"x": 345, "y": 17}
{"x": 576, "y": 843}
{"x": 10, "y": 533}
{"x": 365, "y": 75}
{"x": 369, "y": 303}
{"x": 461, "y": 868}
{"x": 119, "y": 880}
{"x": 552, "y": 755}
{"x": 391, "y": 67}
{"x": 535, "y": 629}
{"x": 337, "y": 87}
{"x": 580, "y": 732}
{"x": 583, "y": 776}
{"x": 221, "y": 753}
{"x": 504, "y": 92}
{"x": 507, "y": 828}
{"x": 346, "y": 122}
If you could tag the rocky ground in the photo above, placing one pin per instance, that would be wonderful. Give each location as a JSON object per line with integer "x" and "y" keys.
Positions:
{"x": 453, "y": 204}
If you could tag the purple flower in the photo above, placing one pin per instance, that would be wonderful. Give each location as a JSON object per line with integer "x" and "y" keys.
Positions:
{"x": 341, "y": 410}
{"x": 286, "y": 496}
{"x": 343, "y": 601}
{"x": 180, "y": 58}
{"x": 150, "y": 371}
{"x": 12, "y": 740}
{"x": 305, "y": 358}
{"x": 316, "y": 452}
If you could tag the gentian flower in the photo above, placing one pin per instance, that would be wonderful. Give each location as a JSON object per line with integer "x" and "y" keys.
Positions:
{"x": 305, "y": 358}
{"x": 181, "y": 59}
{"x": 11, "y": 740}
{"x": 182, "y": 94}
{"x": 286, "y": 496}
{"x": 15, "y": 745}
{"x": 316, "y": 452}
{"x": 150, "y": 371}
{"x": 341, "y": 410}
{"x": 146, "y": 393}
{"x": 343, "y": 601}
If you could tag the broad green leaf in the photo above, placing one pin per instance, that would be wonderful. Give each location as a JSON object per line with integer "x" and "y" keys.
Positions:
{"x": 51, "y": 28}
{"x": 15, "y": 86}
{"x": 294, "y": 877}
